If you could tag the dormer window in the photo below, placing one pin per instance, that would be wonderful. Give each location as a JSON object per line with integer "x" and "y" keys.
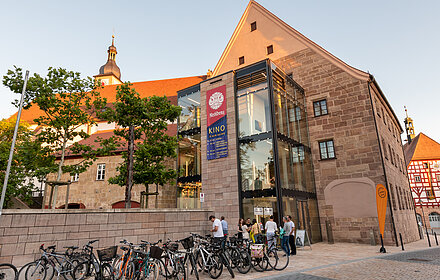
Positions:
{"x": 253, "y": 26}
{"x": 269, "y": 49}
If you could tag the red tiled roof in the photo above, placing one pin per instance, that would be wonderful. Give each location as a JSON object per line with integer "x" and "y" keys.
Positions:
{"x": 106, "y": 134}
{"x": 167, "y": 87}
{"x": 421, "y": 148}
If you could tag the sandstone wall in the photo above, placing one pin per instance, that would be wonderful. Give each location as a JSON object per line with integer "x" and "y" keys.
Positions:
{"x": 23, "y": 231}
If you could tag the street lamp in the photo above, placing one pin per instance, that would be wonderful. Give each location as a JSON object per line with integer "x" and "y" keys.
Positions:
{"x": 11, "y": 152}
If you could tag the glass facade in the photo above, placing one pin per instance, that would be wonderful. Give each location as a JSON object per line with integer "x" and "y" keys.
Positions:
{"x": 275, "y": 165}
{"x": 189, "y": 182}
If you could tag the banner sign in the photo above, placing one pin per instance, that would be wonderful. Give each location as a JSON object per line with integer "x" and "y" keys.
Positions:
{"x": 217, "y": 146}
{"x": 381, "y": 202}
{"x": 302, "y": 239}
{"x": 258, "y": 211}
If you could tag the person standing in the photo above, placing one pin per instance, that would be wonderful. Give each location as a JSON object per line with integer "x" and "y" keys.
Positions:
{"x": 255, "y": 231}
{"x": 217, "y": 229}
{"x": 240, "y": 229}
{"x": 246, "y": 228}
{"x": 224, "y": 226}
{"x": 285, "y": 241}
{"x": 292, "y": 236}
{"x": 270, "y": 228}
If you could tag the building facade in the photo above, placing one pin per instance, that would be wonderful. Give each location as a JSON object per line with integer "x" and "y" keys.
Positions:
{"x": 423, "y": 162}
{"x": 279, "y": 127}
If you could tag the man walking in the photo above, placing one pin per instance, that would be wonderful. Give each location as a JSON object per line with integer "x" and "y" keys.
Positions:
{"x": 292, "y": 237}
{"x": 270, "y": 228}
{"x": 217, "y": 229}
{"x": 285, "y": 242}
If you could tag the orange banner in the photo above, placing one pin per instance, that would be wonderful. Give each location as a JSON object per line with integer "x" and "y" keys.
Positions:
{"x": 381, "y": 202}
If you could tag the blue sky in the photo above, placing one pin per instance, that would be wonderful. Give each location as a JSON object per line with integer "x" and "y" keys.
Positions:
{"x": 397, "y": 41}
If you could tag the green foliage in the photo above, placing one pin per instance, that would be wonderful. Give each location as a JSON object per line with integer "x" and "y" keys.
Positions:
{"x": 149, "y": 117}
{"x": 30, "y": 159}
{"x": 68, "y": 104}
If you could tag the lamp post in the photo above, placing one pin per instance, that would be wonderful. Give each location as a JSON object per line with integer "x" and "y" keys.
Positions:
{"x": 14, "y": 138}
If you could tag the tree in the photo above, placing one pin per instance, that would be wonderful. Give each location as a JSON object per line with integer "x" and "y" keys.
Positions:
{"x": 142, "y": 124}
{"x": 30, "y": 161}
{"x": 69, "y": 104}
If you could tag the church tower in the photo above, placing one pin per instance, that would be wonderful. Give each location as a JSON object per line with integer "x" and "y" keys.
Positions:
{"x": 409, "y": 126}
{"x": 109, "y": 73}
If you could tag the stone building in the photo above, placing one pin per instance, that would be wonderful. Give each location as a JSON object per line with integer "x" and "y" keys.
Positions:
{"x": 282, "y": 127}
{"x": 422, "y": 156}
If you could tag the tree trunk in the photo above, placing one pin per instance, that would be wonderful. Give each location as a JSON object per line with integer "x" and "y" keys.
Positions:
{"x": 60, "y": 172}
{"x": 129, "y": 167}
{"x": 157, "y": 194}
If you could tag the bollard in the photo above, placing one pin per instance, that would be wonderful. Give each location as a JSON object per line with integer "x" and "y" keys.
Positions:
{"x": 429, "y": 241}
{"x": 435, "y": 235}
{"x": 382, "y": 249}
{"x": 401, "y": 241}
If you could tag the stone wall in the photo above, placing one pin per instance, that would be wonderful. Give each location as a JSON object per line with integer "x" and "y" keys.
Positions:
{"x": 350, "y": 123}
{"x": 23, "y": 231}
{"x": 100, "y": 194}
{"x": 220, "y": 176}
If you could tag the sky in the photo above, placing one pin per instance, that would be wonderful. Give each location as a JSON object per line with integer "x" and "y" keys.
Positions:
{"x": 396, "y": 41}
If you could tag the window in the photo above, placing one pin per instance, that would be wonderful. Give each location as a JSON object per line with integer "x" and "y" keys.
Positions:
{"x": 429, "y": 194}
{"x": 425, "y": 165}
{"x": 320, "y": 107}
{"x": 384, "y": 149}
{"x": 100, "y": 173}
{"x": 190, "y": 115}
{"x": 393, "y": 200}
{"x": 438, "y": 177}
{"x": 391, "y": 154}
{"x": 326, "y": 149}
{"x": 74, "y": 178}
{"x": 417, "y": 179}
{"x": 384, "y": 118}
{"x": 270, "y": 49}
{"x": 257, "y": 165}
{"x": 253, "y": 26}
{"x": 241, "y": 60}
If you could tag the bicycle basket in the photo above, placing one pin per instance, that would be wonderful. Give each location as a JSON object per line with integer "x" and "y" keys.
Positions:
{"x": 107, "y": 254}
{"x": 173, "y": 246}
{"x": 188, "y": 242}
{"x": 156, "y": 252}
{"x": 257, "y": 250}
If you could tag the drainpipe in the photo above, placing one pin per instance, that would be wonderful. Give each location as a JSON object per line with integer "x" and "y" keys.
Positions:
{"x": 383, "y": 162}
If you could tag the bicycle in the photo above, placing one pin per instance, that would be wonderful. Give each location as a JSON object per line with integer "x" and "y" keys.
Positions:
{"x": 99, "y": 268}
{"x": 8, "y": 272}
{"x": 173, "y": 261}
{"x": 50, "y": 263}
{"x": 188, "y": 245}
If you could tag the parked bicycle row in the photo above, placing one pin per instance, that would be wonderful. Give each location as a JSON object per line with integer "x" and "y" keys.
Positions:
{"x": 180, "y": 259}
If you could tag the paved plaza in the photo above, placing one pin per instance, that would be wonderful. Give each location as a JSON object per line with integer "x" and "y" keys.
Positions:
{"x": 355, "y": 261}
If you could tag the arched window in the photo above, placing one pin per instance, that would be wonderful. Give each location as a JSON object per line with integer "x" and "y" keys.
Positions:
{"x": 121, "y": 204}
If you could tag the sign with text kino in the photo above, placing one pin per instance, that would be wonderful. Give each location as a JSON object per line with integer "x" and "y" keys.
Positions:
{"x": 217, "y": 146}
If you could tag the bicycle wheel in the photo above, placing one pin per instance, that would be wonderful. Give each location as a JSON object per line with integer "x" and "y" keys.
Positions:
{"x": 128, "y": 271}
{"x": 8, "y": 271}
{"x": 83, "y": 271}
{"x": 259, "y": 264}
{"x": 194, "y": 266}
{"x": 215, "y": 266}
{"x": 35, "y": 271}
{"x": 149, "y": 271}
{"x": 180, "y": 271}
{"x": 244, "y": 264}
{"x": 119, "y": 266}
{"x": 282, "y": 259}
{"x": 226, "y": 263}
{"x": 199, "y": 260}
{"x": 107, "y": 272}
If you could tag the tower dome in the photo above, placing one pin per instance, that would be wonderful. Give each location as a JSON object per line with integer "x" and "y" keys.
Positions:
{"x": 110, "y": 68}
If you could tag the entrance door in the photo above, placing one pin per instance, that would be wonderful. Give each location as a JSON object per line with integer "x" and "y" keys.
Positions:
{"x": 303, "y": 217}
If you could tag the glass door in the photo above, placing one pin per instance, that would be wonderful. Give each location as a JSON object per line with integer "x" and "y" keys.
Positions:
{"x": 304, "y": 217}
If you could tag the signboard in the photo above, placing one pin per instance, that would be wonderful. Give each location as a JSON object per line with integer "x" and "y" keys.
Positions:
{"x": 302, "y": 239}
{"x": 381, "y": 202}
{"x": 217, "y": 143}
{"x": 258, "y": 211}
{"x": 202, "y": 197}
{"x": 268, "y": 211}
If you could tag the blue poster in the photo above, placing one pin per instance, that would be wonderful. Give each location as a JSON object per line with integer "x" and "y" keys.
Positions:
{"x": 217, "y": 142}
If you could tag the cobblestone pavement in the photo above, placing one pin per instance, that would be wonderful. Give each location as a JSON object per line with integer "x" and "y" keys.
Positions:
{"x": 355, "y": 261}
